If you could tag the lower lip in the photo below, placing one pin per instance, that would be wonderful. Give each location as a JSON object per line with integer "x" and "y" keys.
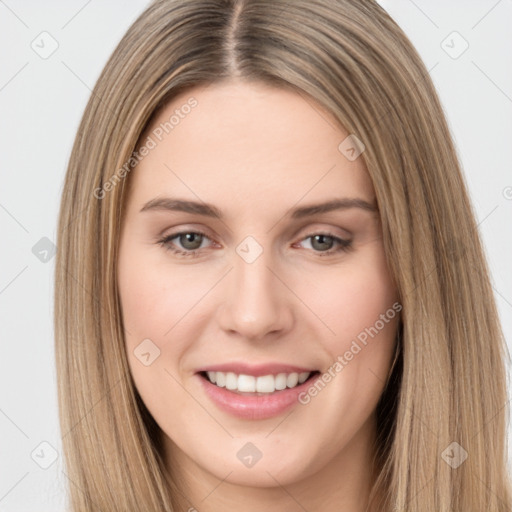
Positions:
{"x": 253, "y": 407}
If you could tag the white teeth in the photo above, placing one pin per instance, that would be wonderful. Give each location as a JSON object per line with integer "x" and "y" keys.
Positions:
{"x": 262, "y": 384}
{"x": 292, "y": 379}
{"x": 231, "y": 381}
{"x": 220, "y": 379}
{"x": 246, "y": 383}
{"x": 280, "y": 383}
{"x": 266, "y": 384}
{"x": 303, "y": 377}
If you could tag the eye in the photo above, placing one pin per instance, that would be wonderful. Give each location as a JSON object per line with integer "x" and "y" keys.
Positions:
{"x": 326, "y": 243}
{"x": 190, "y": 241}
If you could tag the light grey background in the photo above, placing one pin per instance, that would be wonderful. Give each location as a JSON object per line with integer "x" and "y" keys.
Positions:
{"x": 41, "y": 102}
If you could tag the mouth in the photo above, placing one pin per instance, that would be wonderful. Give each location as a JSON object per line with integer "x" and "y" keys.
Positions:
{"x": 255, "y": 397}
{"x": 251, "y": 385}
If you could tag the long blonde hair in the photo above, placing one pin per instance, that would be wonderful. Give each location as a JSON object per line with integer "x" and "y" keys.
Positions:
{"x": 449, "y": 383}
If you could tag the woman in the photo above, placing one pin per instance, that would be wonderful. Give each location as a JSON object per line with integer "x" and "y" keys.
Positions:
{"x": 270, "y": 289}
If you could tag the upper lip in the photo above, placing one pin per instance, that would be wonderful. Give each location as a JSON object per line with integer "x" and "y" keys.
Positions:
{"x": 241, "y": 368}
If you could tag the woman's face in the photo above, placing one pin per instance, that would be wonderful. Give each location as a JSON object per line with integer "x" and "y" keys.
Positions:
{"x": 233, "y": 267}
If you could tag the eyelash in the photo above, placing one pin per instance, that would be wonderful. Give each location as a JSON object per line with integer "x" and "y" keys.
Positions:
{"x": 344, "y": 245}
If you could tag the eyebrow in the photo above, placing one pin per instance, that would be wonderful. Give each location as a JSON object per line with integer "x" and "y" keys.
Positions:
{"x": 208, "y": 210}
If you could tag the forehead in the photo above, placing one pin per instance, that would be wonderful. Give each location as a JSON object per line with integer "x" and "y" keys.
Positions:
{"x": 249, "y": 142}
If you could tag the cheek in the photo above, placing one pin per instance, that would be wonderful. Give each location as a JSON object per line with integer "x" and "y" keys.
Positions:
{"x": 351, "y": 300}
{"x": 155, "y": 304}
{"x": 156, "y": 299}
{"x": 359, "y": 309}
{"x": 359, "y": 305}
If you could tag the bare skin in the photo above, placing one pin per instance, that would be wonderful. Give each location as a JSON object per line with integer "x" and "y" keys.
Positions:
{"x": 256, "y": 152}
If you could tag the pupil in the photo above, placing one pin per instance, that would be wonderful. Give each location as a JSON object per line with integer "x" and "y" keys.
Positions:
{"x": 322, "y": 239}
{"x": 191, "y": 240}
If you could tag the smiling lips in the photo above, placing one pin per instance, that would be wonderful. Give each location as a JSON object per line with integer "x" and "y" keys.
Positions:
{"x": 255, "y": 392}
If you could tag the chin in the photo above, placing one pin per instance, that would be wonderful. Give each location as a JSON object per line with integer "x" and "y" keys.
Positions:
{"x": 263, "y": 462}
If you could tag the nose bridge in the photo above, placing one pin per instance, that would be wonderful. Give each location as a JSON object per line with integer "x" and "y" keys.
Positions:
{"x": 256, "y": 304}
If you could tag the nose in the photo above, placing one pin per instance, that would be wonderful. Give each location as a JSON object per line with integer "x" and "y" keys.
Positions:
{"x": 257, "y": 304}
